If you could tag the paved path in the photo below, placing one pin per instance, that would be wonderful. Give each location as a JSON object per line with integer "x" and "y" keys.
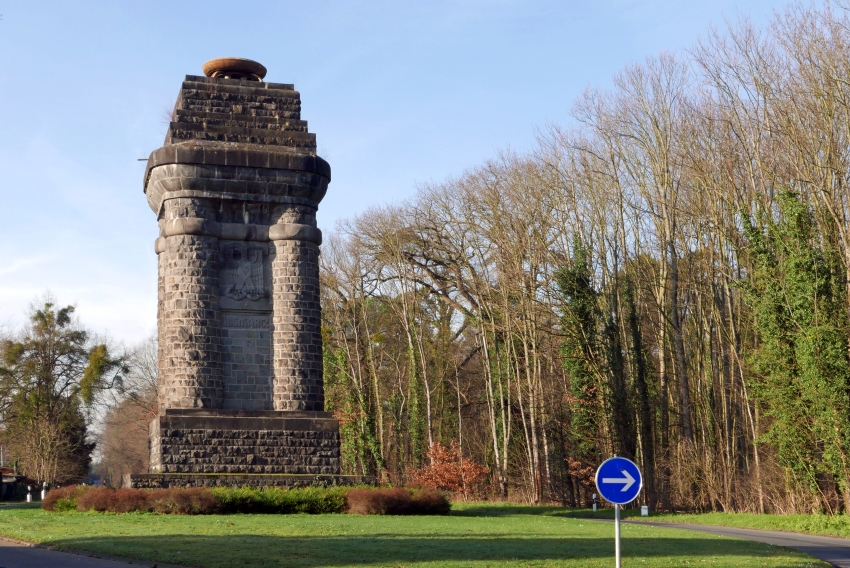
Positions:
{"x": 834, "y": 550}
{"x": 15, "y": 554}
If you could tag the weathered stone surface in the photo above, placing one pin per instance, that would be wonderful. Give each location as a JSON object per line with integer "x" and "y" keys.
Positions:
{"x": 297, "y": 327}
{"x": 236, "y": 188}
{"x": 246, "y": 442}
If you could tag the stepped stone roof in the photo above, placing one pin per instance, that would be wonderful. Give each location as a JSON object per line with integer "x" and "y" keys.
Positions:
{"x": 240, "y": 111}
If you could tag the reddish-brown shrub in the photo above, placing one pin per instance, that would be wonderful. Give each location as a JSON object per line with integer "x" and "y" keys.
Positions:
{"x": 585, "y": 474}
{"x": 191, "y": 501}
{"x": 449, "y": 470}
{"x": 100, "y": 499}
{"x": 397, "y": 501}
{"x": 63, "y": 498}
{"x": 429, "y": 501}
{"x": 130, "y": 500}
{"x": 378, "y": 501}
{"x": 175, "y": 501}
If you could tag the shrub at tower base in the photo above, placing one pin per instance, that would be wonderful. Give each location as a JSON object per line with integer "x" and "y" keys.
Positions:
{"x": 226, "y": 500}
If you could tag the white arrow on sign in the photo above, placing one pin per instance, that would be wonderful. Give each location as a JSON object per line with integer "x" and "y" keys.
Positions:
{"x": 627, "y": 481}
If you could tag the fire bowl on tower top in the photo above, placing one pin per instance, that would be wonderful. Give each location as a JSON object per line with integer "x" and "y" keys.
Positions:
{"x": 234, "y": 68}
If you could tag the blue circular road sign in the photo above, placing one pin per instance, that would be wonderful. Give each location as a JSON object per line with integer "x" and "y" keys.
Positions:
{"x": 618, "y": 480}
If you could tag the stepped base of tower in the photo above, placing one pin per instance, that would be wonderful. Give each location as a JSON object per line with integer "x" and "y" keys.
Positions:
{"x": 231, "y": 442}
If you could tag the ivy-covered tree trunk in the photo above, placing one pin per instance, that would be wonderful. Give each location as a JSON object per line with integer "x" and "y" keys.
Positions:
{"x": 799, "y": 300}
{"x": 579, "y": 349}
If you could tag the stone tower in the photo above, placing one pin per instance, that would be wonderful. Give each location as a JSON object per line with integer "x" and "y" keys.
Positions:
{"x": 235, "y": 189}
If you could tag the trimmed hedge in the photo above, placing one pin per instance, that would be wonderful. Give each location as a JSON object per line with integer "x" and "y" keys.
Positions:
{"x": 225, "y": 500}
{"x": 313, "y": 500}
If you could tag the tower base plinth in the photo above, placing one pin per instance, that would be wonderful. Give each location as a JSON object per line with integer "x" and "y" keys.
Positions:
{"x": 204, "y": 441}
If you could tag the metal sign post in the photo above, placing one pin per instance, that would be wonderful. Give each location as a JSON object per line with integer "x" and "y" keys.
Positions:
{"x": 617, "y": 535}
{"x": 619, "y": 482}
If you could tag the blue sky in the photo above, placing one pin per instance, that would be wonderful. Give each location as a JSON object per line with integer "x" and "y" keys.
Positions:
{"x": 398, "y": 93}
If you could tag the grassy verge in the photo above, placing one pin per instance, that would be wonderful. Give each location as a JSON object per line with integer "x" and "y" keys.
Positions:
{"x": 474, "y": 535}
{"x": 825, "y": 525}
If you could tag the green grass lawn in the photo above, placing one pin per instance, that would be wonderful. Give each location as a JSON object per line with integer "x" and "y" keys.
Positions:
{"x": 827, "y": 525}
{"x": 473, "y": 535}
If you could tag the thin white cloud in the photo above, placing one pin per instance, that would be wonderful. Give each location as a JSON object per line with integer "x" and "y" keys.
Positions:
{"x": 15, "y": 265}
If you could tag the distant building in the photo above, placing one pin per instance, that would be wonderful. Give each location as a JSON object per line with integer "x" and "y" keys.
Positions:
{"x": 9, "y": 484}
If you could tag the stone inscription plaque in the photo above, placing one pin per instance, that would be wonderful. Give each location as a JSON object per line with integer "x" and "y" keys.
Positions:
{"x": 246, "y": 321}
{"x": 246, "y": 339}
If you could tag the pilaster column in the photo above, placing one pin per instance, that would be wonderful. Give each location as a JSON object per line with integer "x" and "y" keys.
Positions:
{"x": 160, "y": 246}
{"x": 190, "y": 326}
{"x": 297, "y": 318}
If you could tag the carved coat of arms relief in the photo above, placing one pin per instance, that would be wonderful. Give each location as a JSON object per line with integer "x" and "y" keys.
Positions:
{"x": 243, "y": 277}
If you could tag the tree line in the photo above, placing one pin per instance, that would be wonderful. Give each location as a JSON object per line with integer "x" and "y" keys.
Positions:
{"x": 665, "y": 279}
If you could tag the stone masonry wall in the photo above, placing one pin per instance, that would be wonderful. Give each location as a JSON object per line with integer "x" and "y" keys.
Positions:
{"x": 262, "y": 442}
{"x": 238, "y": 111}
